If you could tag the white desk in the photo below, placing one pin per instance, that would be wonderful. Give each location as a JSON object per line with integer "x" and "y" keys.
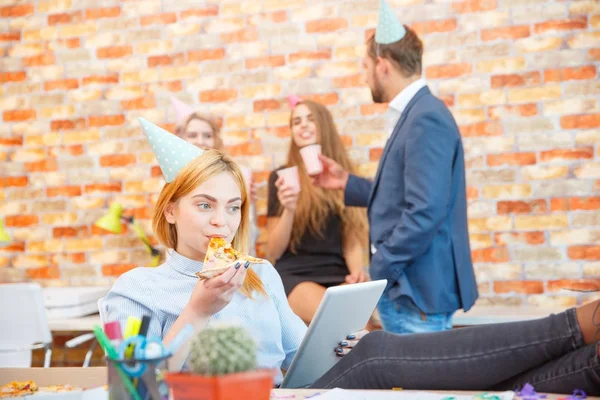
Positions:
{"x": 476, "y": 316}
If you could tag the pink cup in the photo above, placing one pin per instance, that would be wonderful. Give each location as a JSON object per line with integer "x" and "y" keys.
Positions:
{"x": 290, "y": 177}
{"x": 247, "y": 174}
{"x": 310, "y": 155}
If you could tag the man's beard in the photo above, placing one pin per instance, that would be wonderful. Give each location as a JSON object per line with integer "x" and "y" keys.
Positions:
{"x": 377, "y": 91}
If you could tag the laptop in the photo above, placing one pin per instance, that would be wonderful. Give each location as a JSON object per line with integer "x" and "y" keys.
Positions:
{"x": 344, "y": 310}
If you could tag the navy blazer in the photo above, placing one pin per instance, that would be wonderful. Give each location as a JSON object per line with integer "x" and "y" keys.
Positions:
{"x": 417, "y": 208}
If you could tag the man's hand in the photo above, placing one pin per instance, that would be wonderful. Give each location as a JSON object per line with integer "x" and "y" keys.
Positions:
{"x": 333, "y": 175}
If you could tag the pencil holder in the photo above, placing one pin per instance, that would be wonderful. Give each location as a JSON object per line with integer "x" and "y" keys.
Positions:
{"x": 137, "y": 379}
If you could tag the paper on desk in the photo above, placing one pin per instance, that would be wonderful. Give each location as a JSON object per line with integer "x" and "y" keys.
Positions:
{"x": 90, "y": 394}
{"x": 342, "y": 394}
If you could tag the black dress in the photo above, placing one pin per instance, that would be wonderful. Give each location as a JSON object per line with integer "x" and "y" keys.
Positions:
{"x": 317, "y": 259}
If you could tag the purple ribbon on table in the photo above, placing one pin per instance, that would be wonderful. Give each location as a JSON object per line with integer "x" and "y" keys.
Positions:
{"x": 528, "y": 393}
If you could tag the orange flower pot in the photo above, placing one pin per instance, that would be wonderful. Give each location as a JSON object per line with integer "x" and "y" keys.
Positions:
{"x": 251, "y": 385}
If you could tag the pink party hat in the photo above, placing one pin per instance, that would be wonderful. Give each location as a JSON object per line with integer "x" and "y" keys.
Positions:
{"x": 182, "y": 110}
{"x": 293, "y": 100}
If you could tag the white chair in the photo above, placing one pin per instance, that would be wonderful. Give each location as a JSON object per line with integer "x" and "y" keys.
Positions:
{"x": 24, "y": 323}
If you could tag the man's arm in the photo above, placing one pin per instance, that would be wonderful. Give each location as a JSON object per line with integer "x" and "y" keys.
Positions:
{"x": 357, "y": 191}
{"x": 429, "y": 154}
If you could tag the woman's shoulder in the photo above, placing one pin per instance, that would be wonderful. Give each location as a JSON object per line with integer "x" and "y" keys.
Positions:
{"x": 136, "y": 278}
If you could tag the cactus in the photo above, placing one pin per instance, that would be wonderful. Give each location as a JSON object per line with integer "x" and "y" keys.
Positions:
{"x": 220, "y": 350}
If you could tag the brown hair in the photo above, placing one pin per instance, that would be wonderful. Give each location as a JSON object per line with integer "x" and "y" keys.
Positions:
{"x": 202, "y": 168}
{"x": 406, "y": 54}
{"x": 180, "y": 131}
{"x": 314, "y": 204}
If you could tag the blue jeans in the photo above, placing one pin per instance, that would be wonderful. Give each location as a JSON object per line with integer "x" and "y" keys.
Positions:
{"x": 401, "y": 315}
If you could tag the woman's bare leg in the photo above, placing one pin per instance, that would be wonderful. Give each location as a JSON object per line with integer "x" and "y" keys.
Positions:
{"x": 305, "y": 298}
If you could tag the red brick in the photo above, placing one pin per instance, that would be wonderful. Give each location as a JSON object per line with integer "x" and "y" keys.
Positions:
{"x": 568, "y": 154}
{"x": 11, "y": 141}
{"x": 276, "y": 131}
{"x": 448, "y": 70}
{"x": 266, "y": 105}
{"x": 67, "y": 124}
{"x": 18, "y": 115}
{"x": 561, "y": 25}
{"x": 509, "y": 32}
{"x": 19, "y": 10}
{"x": 16, "y": 76}
{"x": 103, "y": 187}
{"x": 326, "y": 25}
{"x": 520, "y": 110}
{"x": 13, "y": 181}
{"x": 10, "y": 36}
{"x": 20, "y": 221}
{"x": 442, "y": 25}
{"x": 495, "y": 160}
{"x": 43, "y": 273}
{"x": 372, "y": 109}
{"x": 218, "y": 95}
{"x": 206, "y": 54}
{"x": 589, "y": 253}
{"x": 64, "y": 18}
{"x": 141, "y": 213}
{"x": 73, "y": 150}
{"x": 512, "y": 80}
{"x": 114, "y": 52}
{"x": 65, "y": 191}
{"x": 586, "y": 121}
{"x": 448, "y": 99}
{"x": 243, "y": 35}
{"x": 117, "y": 269}
{"x": 474, "y": 6}
{"x": 39, "y": 60}
{"x": 139, "y": 103}
{"x": 521, "y": 287}
{"x": 245, "y": 149}
{"x": 106, "y": 12}
{"x": 567, "y": 74}
{"x": 70, "y": 43}
{"x": 574, "y": 284}
{"x": 310, "y": 55}
{"x": 472, "y": 193}
{"x": 349, "y": 81}
{"x": 327, "y": 99}
{"x": 63, "y": 84}
{"x": 157, "y": 61}
{"x": 100, "y": 79}
{"x": 530, "y": 238}
{"x": 158, "y": 19}
{"x": 521, "y": 207}
{"x": 210, "y": 11}
{"x": 594, "y": 54}
{"x": 491, "y": 254}
{"x": 107, "y": 120}
{"x": 269, "y": 61}
{"x": 117, "y": 160}
{"x": 47, "y": 165}
{"x": 13, "y": 247}
{"x": 171, "y": 86}
{"x": 491, "y": 128}
{"x": 575, "y": 203}
{"x": 375, "y": 154}
{"x": 155, "y": 171}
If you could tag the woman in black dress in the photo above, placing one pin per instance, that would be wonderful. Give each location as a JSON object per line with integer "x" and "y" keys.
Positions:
{"x": 314, "y": 240}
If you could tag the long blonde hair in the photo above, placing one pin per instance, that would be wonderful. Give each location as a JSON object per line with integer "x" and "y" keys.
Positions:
{"x": 315, "y": 204}
{"x": 202, "y": 168}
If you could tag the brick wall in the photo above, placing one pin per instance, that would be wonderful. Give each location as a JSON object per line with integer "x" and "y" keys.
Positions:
{"x": 520, "y": 76}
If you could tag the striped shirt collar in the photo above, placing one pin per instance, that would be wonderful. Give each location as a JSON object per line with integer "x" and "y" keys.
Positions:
{"x": 184, "y": 265}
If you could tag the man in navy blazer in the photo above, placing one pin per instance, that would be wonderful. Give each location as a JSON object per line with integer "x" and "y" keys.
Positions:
{"x": 417, "y": 203}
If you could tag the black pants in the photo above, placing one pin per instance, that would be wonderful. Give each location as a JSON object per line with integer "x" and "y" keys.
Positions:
{"x": 548, "y": 353}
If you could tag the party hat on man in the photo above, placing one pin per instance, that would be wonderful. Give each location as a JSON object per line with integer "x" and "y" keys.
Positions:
{"x": 389, "y": 29}
{"x": 182, "y": 110}
{"x": 172, "y": 152}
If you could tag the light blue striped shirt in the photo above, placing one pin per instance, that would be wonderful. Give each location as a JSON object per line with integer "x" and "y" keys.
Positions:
{"x": 164, "y": 291}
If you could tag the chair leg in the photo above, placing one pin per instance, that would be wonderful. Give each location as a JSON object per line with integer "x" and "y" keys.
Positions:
{"x": 48, "y": 356}
{"x": 89, "y": 354}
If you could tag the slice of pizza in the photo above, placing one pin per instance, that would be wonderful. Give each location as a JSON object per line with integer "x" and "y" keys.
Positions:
{"x": 17, "y": 389}
{"x": 220, "y": 256}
